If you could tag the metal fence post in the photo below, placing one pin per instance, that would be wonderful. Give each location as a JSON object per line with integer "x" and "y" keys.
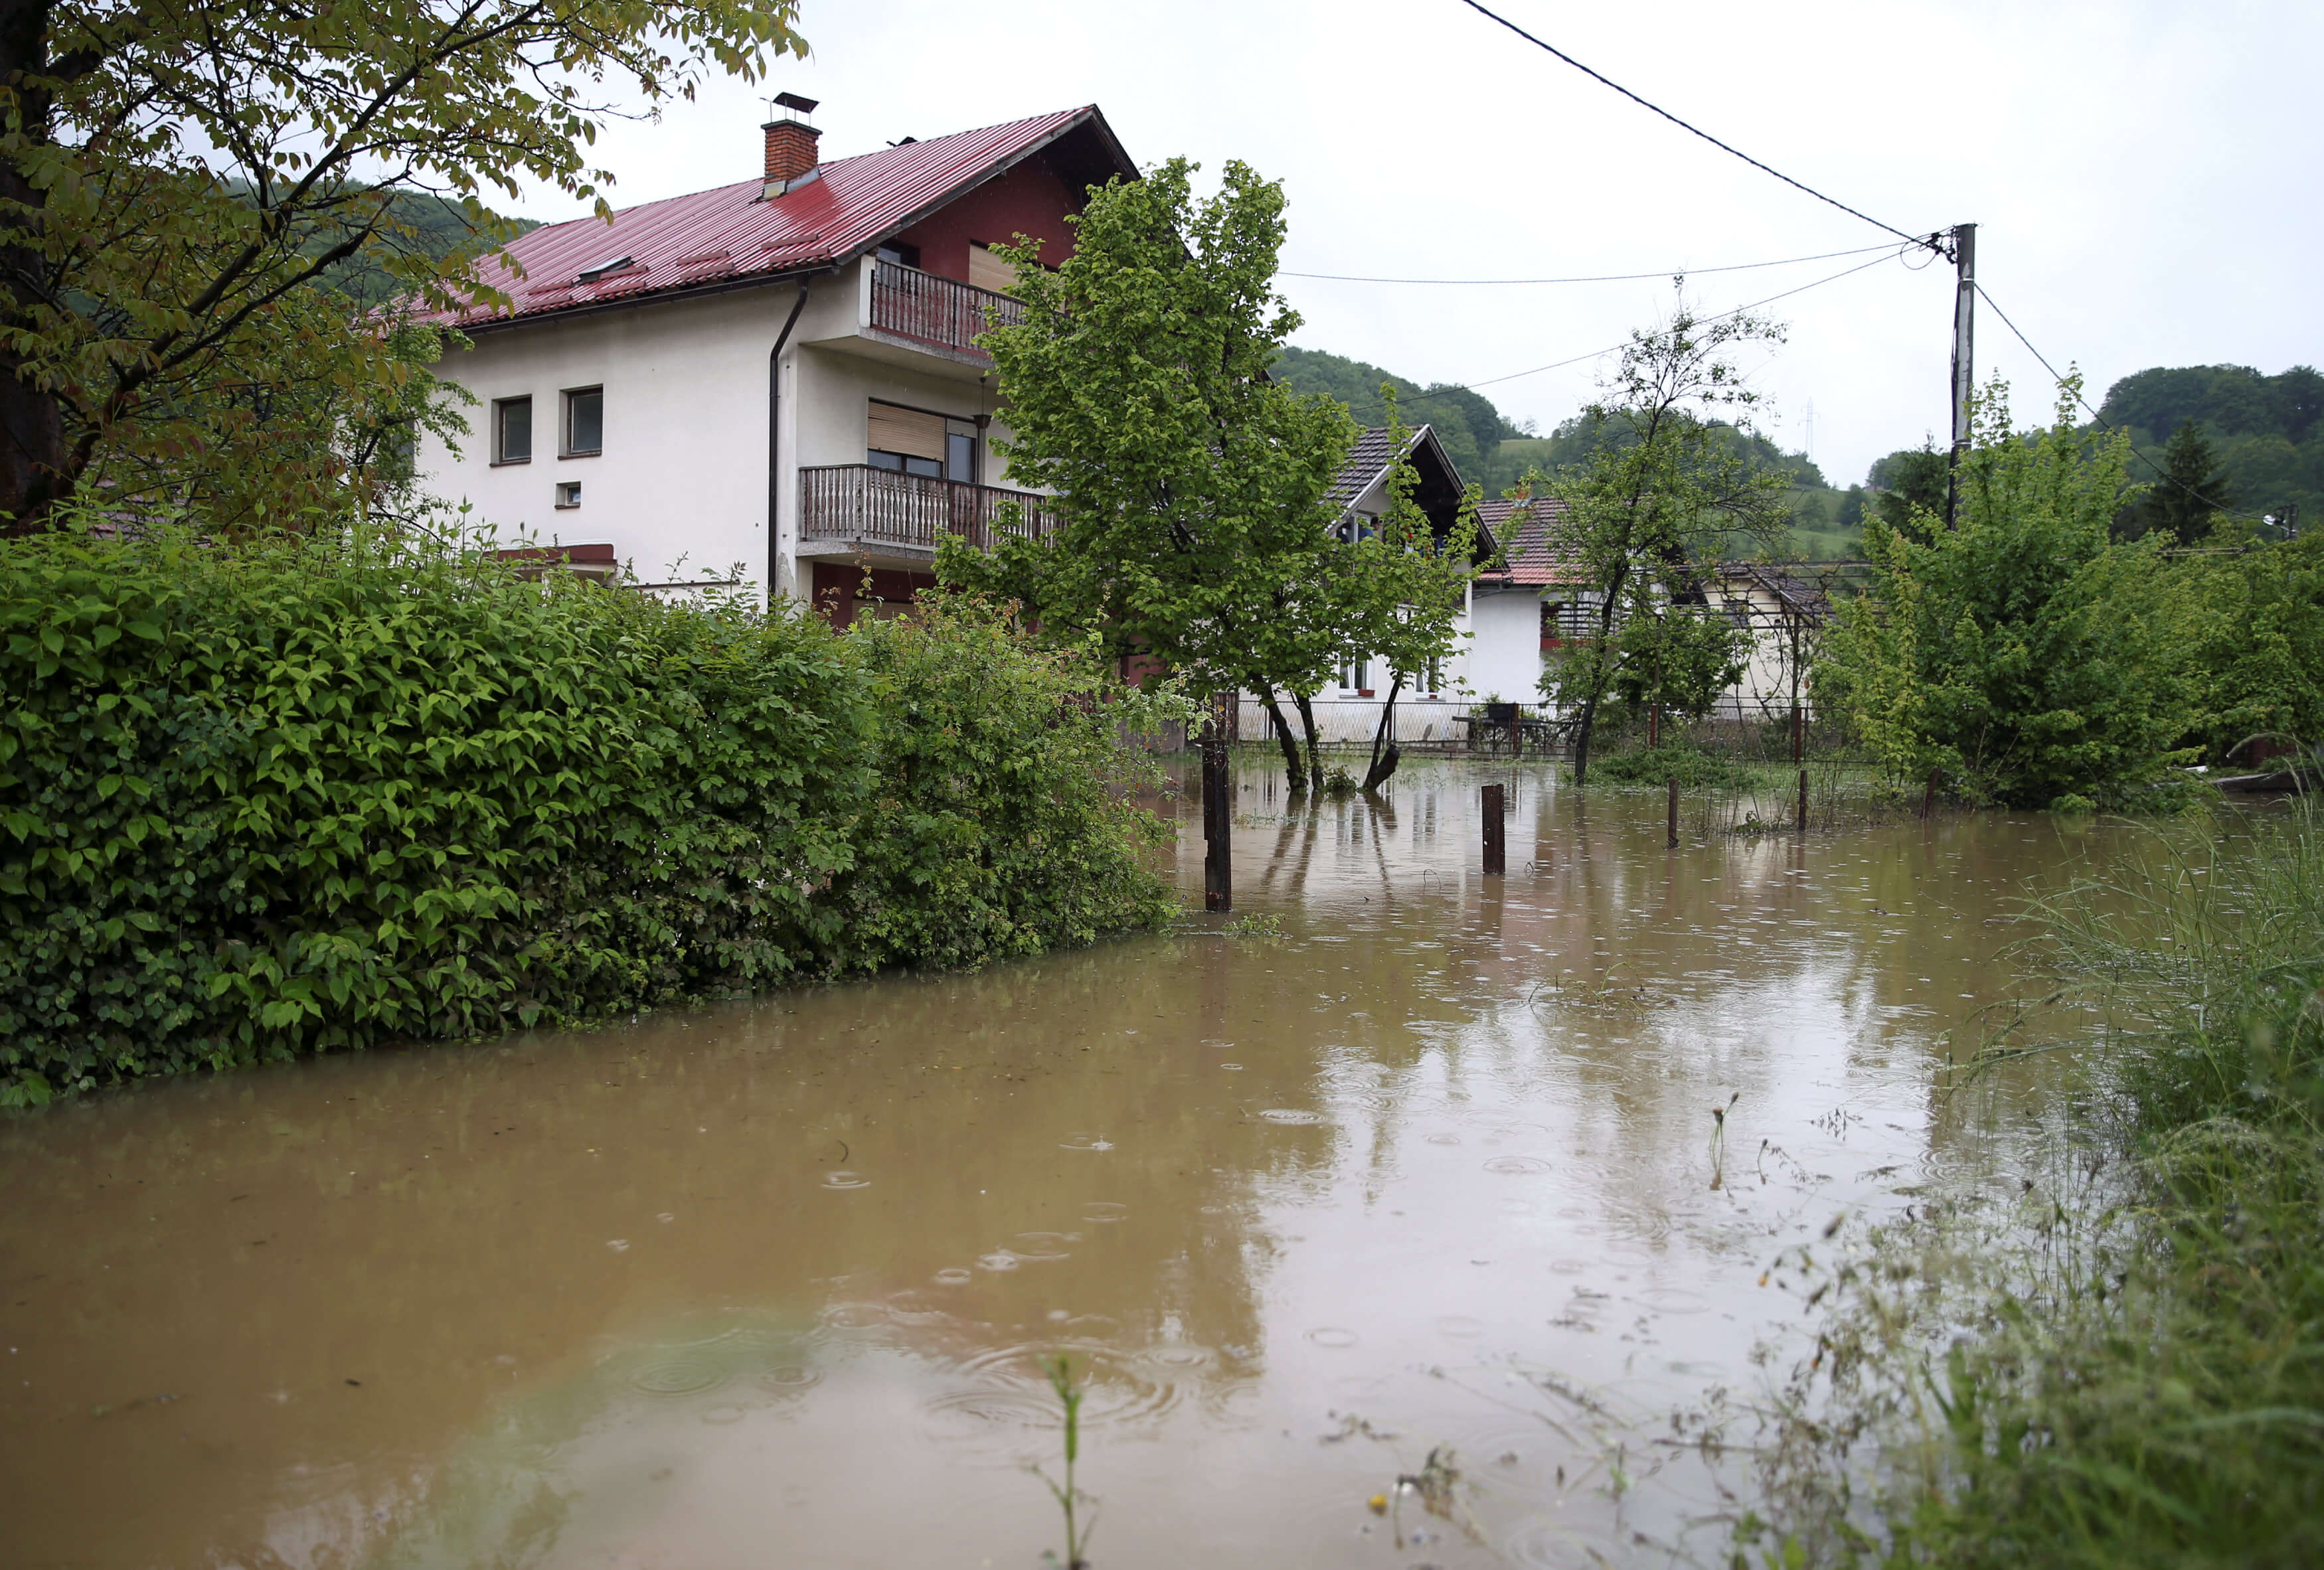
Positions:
{"x": 1497, "y": 851}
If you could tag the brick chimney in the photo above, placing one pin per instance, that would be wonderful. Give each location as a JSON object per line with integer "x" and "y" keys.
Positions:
{"x": 790, "y": 144}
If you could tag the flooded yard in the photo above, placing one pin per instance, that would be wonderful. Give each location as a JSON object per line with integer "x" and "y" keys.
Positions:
{"x": 768, "y": 1284}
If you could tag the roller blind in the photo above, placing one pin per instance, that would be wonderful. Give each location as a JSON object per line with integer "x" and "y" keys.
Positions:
{"x": 986, "y": 270}
{"x": 907, "y": 431}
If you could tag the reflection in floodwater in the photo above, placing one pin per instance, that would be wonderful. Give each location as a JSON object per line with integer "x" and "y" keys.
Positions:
{"x": 769, "y": 1283}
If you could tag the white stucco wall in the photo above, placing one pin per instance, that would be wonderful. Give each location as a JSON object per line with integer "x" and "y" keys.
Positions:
{"x": 1505, "y": 658}
{"x": 680, "y": 489}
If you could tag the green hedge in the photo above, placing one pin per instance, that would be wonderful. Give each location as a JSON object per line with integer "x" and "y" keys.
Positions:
{"x": 1659, "y": 766}
{"x": 298, "y": 795}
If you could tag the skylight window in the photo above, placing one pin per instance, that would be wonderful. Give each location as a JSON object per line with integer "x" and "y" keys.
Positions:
{"x": 597, "y": 270}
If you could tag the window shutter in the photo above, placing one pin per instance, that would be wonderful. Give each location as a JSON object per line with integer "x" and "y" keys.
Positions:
{"x": 907, "y": 431}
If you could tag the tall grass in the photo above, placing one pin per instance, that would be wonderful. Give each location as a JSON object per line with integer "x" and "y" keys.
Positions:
{"x": 2124, "y": 1364}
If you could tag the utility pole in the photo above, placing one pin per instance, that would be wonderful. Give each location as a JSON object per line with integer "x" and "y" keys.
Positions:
{"x": 1964, "y": 253}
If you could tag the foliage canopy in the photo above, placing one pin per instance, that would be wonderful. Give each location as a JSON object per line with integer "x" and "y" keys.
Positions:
{"x": 174, "y": 182}
{"x": 1200, "y": 531}
{"x": 303, "y": 794}
{"x": 1664, "y": 488}
{"x": 2023, "y": 654}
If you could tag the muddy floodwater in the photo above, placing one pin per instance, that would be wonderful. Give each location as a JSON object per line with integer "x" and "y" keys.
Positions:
{"x": 768, "y": 1283}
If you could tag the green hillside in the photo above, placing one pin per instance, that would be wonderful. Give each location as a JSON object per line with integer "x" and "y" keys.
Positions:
{"x": 438, "y": 229}
{"x": 2267, "y": 431}
{"x": 1472, "y": 429}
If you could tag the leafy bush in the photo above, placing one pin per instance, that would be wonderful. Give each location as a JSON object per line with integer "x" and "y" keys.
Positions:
{"x": 2259, "y": 641}
{"x": 297, "y": 795}
{"x": 2021, "y": 653}
{"x": 1001, "y": 826}
{"x": 1658, "y": 766}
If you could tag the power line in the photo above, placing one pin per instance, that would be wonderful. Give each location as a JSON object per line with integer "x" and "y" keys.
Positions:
{"x": 2160, "y": 473}
{"x": 1886, "y": 252}
{"x": 1707, "y": 137}
{"x": 1604, "y": 278}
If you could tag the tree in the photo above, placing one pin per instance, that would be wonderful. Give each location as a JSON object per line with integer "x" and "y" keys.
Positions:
{"x": 173, "y": 180}
{"x": 2259, "y": 644}
{"x": 1401, "y": 588}
{"x": 1663, "y": 486}
{"x": 2021, "y": 654}
{"x": 1198, "y": 512}
{"x": 1909, "y": 488}
{"x": 2192, "y": 492}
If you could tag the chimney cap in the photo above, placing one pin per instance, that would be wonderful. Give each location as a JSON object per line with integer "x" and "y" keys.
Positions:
{"x": 793, "y": 101}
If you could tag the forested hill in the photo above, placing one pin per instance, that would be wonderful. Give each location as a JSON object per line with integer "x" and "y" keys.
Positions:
{"x": 1483, "y": 445}
{"x": 440, "y": 229}
{"x": 2266, "y": 432}
{"x": 1466, "y": 422}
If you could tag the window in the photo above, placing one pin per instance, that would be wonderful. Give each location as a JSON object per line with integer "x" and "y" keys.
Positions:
{"x": 512, "y": 430}
{"x": 986, "y": 270}
{"x": 585, "y": 423}
{"x": 568, "y": 493}
{"x": 914, "y": 440}
{"x": 1356, "y": 676}
{"x": 1738, "y": 612}
{"x": 899, "y": 254}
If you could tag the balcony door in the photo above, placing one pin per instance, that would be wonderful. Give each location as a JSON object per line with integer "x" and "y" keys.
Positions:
{"x": 918, "y": 441}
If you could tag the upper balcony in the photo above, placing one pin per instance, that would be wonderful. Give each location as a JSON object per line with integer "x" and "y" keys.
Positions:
{"x": 855, "y": 510}
{"x": 934, "y": 312}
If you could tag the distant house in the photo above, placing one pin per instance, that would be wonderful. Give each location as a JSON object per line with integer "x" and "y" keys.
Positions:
{"x": 1347, "y": 708}
{"x": 773, "y": 383}
{"x": 1784, "y": 613}
{"x": 1535, "y": 603}
{"x": 1531, "y": 604}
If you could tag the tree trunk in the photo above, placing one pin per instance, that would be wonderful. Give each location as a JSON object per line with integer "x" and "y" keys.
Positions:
{"x": 1294, "y": 777}
{"x": 36, "y": 461}
{"x": 1315, "y": 744}
{"x": 1385, "y": 765}
{"x": 1582, "y": 737}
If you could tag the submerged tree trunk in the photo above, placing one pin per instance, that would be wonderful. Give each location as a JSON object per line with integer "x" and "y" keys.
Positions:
{"x": 1384, "y": 765}
{"x": 37, "y": 462}
{"x": 1315, "y": 744}
{"x": 1294, "y": 777}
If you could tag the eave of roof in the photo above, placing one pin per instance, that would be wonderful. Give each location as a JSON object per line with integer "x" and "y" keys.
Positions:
{"x": 733, "y": 237}
{"x": 1527, "y": 562}
{"x": 1375, "y": 453}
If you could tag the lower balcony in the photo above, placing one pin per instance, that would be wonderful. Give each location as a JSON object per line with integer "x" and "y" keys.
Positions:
{"x": 854, "y": 509}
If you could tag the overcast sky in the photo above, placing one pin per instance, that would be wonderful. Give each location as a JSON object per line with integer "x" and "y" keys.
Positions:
{"x": 2145, "y": 177}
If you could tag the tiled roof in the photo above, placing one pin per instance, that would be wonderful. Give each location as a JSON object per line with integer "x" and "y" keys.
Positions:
{"x": 728, "y": 233}
{"x": 1371, "y": 455}
{"x": 1522, "y": 528}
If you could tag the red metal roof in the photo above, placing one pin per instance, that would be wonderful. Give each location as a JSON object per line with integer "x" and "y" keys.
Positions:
{"x": 728, "y": 233}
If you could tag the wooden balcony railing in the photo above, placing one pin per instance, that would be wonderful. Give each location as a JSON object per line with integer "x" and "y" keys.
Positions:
{"x": 857, "y": 502}
{"x": 913, "y": 304}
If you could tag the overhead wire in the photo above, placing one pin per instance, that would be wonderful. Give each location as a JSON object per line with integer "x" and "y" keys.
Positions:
{"x": 1932, "y": 242}
{"x": 1886, "y": 252}
{"x": 2103, "y": 422}
{"x": 1697, "y": 130}
{"x": 1601, "y": 278}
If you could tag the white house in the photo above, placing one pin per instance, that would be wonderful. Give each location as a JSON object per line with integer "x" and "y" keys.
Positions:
{"x": 773, "y": 382}
{"x": 1347, "y": 708}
